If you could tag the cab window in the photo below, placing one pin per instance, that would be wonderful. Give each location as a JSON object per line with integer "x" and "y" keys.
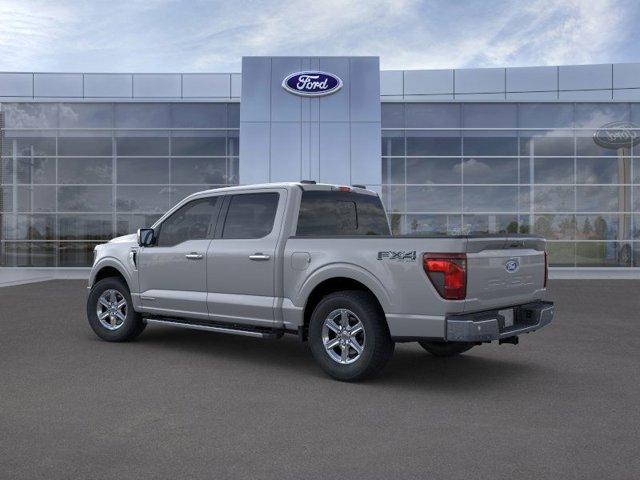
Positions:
{"x": 192, "y": 221}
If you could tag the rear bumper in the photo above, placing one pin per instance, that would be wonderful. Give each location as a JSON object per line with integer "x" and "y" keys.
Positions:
{"x": 489, "y": 325}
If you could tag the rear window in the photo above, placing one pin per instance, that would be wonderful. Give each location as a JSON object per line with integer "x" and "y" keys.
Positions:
{"x": 332, "y": 213}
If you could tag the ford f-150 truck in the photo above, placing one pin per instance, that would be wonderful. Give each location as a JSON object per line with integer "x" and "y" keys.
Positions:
{"x": 317, "y": 261}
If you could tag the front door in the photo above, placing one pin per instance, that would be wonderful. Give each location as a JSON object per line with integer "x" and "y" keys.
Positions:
{"x": 242, "y": 259}
{"x": 173, "y": 272}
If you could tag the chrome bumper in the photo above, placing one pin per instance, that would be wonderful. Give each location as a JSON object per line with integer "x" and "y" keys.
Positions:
{"x": 488, "y": 326}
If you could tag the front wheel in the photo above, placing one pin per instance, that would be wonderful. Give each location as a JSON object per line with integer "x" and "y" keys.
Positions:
{"x": 446, "y": 349}
{"x": 348, "y": 336}
{"x": 110, "y": 311}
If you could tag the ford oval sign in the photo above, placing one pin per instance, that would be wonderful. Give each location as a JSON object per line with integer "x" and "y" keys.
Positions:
{"x": 312, "y": 84}
{"x": 511, "y": 266}
{"x": 617, "y": 135}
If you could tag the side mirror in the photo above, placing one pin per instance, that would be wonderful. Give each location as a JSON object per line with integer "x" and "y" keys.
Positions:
{"x": 146, "y": 237}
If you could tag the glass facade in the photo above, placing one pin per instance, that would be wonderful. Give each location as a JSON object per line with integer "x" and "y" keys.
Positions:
{"x": 77, "y": 174}
{"x": 457, "y": 168}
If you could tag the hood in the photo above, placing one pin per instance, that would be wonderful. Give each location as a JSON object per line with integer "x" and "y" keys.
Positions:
{"x": 132, "y": 237}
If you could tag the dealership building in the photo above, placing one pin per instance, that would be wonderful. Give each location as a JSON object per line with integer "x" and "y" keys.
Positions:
{"x": 545, "y": 150}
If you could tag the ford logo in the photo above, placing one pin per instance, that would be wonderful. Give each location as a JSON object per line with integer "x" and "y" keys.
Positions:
{"x": 511, "y": 266}
{"x": 616, "y": 135}
{"x": 312, "y": 84}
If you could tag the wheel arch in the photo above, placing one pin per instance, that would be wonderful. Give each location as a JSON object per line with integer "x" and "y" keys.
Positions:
{"x": 109, "y": 268}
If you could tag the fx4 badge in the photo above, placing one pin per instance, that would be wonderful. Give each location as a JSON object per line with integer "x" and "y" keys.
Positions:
{"x": 399, "y": 256}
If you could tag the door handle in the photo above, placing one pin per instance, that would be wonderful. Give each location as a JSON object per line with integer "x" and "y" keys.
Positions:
{"x": 194, "y": 256}
{"x": 259, "y": 257}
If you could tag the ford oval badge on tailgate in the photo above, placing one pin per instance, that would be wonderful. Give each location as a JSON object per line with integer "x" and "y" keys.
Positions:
{"x": 511, "y": 266}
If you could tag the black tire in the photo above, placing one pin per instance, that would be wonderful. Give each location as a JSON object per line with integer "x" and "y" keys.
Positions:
{"x": 446, "y": 349}
{"x": 378, "y": 346}
{"x": 131, "y": 327}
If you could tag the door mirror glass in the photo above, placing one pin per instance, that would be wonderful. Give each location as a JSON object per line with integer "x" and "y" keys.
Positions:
{"x": 146, "y": 237}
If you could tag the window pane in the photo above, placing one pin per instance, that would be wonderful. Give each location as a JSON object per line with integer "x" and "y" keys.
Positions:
{"x": 30, "y": 115}
{"x": 393, "y": 198}
{"x": 397, "y": 223}
{"x": 199, "y": 170}
{"x": 489, "y": 224}
{"x": 75, "y": 254}
{"x": 250, "y": 215}
{"x": 130, "y": 223}
{"x": 554, "y": 199}
{"x": 85, "y": 227}
{"x": 333, "y": 213}
{"x": 434, "y": 170}
{"x": 392, "y": 115}
{"x": 553, "y": 170}
{"x": 85, "y": 170}
{"x": 39, "y": 254}
{"x": 6, "y": 199}
{"x": 603, "y": 254}
{"x": 603, "y": 170}
{"x": 434, "y": 224}
{"x": 561, "y": 254}
{"x": 6, "y": 171}
{"x": 143, "y": 170}
{"x": 85, "y": 199}
{"x": 555, "y": 227}
{"x": 432, "y": 115}
{"x": 30, "y": 146}
{"x": 434, "y": 199}
{"x": 491, "y": 144}
{"x": 490, "y": 199}
{"x": 199, "y": 115}
{"x": 142, "y": 115}
{"x": 603, "y": 227}
{"x": 487, "y": 115}
{"x": 192, "y": 221}
{"x": 442, "y": 143}
{"x": 545, "y": 115}
{"x": 142, "y": 146}
{"x": 586, "y": 145}
{"x": 392, "y": 143}
{"x": 233, "y": 143}
{"x": 36, "y": 199}
{"x": 31, "y": 227}
{"x": 598, "y": 114}
{"x": 233, "y": 112}
{"x": 543, "y": 144}
{"x": 393, "y": 170}
{"x": 90, "y": 146}
{"x": 143, "y": 199}
{"x": 490, "y": 170}
{"x": 211, "y": 145}
{"x": 36, "y": 170}
{"x": 92, "y": 115}
{"x": 603, "y": 199}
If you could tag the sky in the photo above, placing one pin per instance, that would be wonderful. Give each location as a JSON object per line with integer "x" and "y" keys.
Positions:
{"x": 212, "y": 36}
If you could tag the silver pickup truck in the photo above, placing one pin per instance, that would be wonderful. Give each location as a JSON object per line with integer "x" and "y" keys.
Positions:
{"x": 317, "y": 261}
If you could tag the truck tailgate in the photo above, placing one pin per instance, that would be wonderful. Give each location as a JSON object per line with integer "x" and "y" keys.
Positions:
{"x": 504, "y": 271}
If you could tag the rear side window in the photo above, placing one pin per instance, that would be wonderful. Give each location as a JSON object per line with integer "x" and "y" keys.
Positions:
{"x": 192, "y": 221}
{"x": 332, "y": 213}
{"x": 250, "y": 215}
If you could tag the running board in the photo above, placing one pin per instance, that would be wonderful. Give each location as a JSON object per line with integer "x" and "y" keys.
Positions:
{"x": 214, "y": 328}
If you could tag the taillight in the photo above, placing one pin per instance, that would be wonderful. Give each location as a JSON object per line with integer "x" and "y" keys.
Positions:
{"x": 546, "y": 269}
{"x": 448, "y": 273}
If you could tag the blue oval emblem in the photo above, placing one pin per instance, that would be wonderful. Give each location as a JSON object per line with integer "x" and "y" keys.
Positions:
{"x": 511, "y": 266}
{"x": 312, "y": 83}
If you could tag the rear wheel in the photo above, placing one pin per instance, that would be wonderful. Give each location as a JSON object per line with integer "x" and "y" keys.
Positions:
{"x": 110, "y": 311}
{"x": 446, "y": 349}
{"x": 348, "y": 336}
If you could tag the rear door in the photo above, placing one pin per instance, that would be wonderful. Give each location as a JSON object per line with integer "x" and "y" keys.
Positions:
{"x": 172, "y": 273}
{"x": 504, "y": 271}
{"x": 241, "y": 260}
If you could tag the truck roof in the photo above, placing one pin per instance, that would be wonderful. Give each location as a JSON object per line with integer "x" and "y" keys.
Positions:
{"x": 288, "y": 185}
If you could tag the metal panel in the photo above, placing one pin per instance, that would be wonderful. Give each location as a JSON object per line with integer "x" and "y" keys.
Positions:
{"x": 285, "y": 107}
{"x": 426, "y": 82}
{"x": 584, "y": 77}
{"x": 334, "y": 153}
{"x": 108, "y": 85}
{"x": 586, "y": 95}
{"x": 532, "y": 96}
{"x": 254, "y": 152}
{"x": 157, "y": 85}
{"x": 391, "y": 82}
{"x": 532, "y": 79}
{"x": 630, "y": 94}
{"x": 479, "y": 80}
{"x": 426, "y": 98}
{"x": 57, "y": 85}
{"x": 626, "y": 75}
{"x": 206, "y": 85}
{"x": 256, "y": 90}
{"x": 335, "y": 107}
{"x": 365, "y": 154}
{"x": 364, "y": 82}
{"x": 285, "y": 152}
{"x": 16, "y": 84}
{"x": 236, "y": 85}
{"x": 480, "y": 97}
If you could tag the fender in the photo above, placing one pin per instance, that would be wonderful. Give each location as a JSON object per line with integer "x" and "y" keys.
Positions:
{"x": 346, "y": 270}
{"x": 114, "y": 262}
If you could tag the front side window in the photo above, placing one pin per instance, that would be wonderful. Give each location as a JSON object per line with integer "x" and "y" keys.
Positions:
{"x": 193, "y": 221}
{"x": 250, "y": 215}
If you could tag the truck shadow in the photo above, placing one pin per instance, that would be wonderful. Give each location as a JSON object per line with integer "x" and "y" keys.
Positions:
{"x": 409, "y": 368}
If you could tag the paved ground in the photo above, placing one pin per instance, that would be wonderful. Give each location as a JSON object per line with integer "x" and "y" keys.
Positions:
{"x": 184, "y": 404}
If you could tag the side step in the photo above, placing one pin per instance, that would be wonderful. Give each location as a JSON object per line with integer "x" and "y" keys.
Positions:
{"x": 268, "y": 334}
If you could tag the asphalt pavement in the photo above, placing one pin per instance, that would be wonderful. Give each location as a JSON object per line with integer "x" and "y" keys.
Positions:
{"x": 564, "y": 404}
